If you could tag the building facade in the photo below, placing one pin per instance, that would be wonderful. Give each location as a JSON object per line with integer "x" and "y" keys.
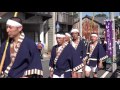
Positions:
{"x": 64, "y": 22}
{"x": 40, "y": 26}
{"x": 35, "y": 24}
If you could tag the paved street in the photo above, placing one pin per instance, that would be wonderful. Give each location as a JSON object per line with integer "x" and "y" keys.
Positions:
{"x": 45, "y": 64}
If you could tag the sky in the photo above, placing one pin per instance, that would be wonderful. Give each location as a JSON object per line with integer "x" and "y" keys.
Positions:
{"x": 91, "y": 13}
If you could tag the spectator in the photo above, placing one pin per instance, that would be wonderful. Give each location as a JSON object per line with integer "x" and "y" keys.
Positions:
{"x": 40, "y": 47}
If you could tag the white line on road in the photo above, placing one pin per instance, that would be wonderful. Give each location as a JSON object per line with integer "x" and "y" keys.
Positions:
{"x": 105, "y": 74}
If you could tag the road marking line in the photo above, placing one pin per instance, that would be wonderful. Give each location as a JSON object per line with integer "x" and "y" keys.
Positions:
{"x": 105, "y": 74}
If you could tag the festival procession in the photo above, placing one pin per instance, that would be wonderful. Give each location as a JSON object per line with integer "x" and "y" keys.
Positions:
{"x": 59, "y": 44}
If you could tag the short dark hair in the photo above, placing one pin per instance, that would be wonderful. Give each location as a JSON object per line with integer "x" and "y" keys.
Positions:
{"x": 17, "y": 19}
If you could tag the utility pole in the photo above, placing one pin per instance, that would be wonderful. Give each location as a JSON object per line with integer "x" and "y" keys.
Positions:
{"x": 114, "y": 65}
{"x": 119, "y": 16}
{"x": 80, "y": 15}
{"x": 109, "y": 15}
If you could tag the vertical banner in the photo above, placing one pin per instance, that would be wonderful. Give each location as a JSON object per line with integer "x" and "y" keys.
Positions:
{"x": 109, "y": 36}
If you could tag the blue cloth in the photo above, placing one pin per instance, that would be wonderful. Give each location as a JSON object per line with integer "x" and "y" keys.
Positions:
{"x": 98, "y": 53}
{"x": 81, "y": 49}
{"x": 67, "y": 60}
{"x": 27, "y": 58}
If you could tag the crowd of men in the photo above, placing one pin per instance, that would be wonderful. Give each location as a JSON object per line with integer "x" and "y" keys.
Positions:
{"x": 70, "y": 58}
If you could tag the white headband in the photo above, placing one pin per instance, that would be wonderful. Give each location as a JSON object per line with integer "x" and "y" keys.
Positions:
{"x": 67, "y": 34}
{"x": 13, "y": 23}
{"x": 60, "y": 35}
{"x": 74, "y": 30}
{"x": 94, "y": 35}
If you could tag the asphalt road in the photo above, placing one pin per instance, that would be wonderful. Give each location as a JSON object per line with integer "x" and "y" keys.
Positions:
{"x": 45, "y": 64}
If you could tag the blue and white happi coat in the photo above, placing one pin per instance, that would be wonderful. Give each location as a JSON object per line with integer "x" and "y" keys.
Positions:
{"x": 80, "y": 49}
{"x": 22, "y": 60}
{"x": 96, "y": 54}
{"x": 67, "y": 61}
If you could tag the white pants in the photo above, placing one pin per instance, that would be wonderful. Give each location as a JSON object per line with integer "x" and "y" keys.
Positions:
{"x": 89, "y": 68}
{"x": 56, "y": 76}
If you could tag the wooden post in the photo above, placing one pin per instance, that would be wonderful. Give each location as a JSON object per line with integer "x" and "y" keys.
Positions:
{"x": 4, "y": 55}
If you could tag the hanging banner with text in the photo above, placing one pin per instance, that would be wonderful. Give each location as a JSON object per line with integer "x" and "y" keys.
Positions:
{"x": 109, "y": 36}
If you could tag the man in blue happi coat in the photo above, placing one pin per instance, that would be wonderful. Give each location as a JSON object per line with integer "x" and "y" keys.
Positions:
{"x": 64, "y": 61}
{"x": 22, "y": 58}
{"x": 80, "y": 48}
{"x": 96, "y": 56}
